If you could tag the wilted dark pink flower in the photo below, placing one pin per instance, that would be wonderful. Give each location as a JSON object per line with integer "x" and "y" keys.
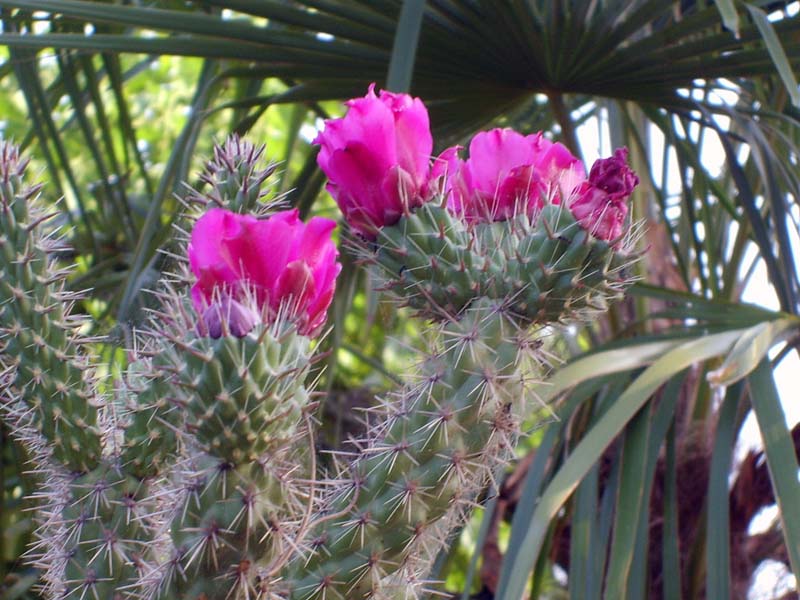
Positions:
{"x": 507, "y": 173}
{"x": 377, "y": 158}
{"x": 600, "y": 203}
{"x": 244, "y": 265}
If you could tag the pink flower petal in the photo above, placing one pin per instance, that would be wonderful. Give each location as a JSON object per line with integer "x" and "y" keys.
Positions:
{"x": 245, "y": 266}
{"x": 380, "y": 140}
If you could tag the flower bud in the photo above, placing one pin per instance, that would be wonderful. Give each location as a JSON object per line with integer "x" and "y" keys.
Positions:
{"x": 600, "y": 203}
{"x": 226, "y": 316}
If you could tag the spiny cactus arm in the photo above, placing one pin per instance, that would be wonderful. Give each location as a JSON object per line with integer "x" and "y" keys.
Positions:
{"x": 245, "y": 400}
{"x": 105, "y": 534}
{"x": 237, "y": 177}
{"x": 546, "y": 268}
{"x": 236, "y": 364}
{"x": 47, "y": 380}
{"x": 428, "y": 458}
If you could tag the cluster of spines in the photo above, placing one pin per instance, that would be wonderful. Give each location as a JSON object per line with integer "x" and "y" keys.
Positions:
{"x": 237, "y": 177}
{"x": 423, "y": 463}
{"x": 546, "y": 267}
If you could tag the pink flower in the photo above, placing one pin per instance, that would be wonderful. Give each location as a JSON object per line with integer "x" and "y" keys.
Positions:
{"x": 244, "y": 265}
{"x": 600, "y": 204}
{"x": 507, "y": 173}
{"x": 377, "y": 158}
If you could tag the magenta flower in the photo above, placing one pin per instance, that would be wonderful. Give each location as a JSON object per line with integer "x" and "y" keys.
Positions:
{"x": 600, "y": 204}
{"x": 245, "y": 265}
{"x": 507, "y": 173}
{"x": 377, "y": 159}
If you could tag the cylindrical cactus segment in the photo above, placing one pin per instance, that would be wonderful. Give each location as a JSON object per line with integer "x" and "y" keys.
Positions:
{"x": 105, "y": 534}
{"x": 43, "y": 367}
{"x": 244, "y": 401}
{"x": 235, "y": 519}
{"x": 431, "y": 454}
{"x": 236, "y": 176}
{"x": 244, "y": 396}
{"x": 546, "y": 269}
{"x": 153, "y": 418}
{"x": 426, "y": 259}
{"x": 550, "y": 269}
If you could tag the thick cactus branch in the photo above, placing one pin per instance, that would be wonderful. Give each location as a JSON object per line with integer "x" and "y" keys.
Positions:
{"x": 425, "y": 460}
{"x": 46, "y": 376}
{"x": 92, "y": 529}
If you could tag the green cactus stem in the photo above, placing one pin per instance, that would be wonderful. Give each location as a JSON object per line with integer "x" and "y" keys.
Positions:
{"x": 245, "y": 402}
{"x": 106, "y": 534}
{"x": 425, "y": 461}
{"x": 546, "y": 268}
{"x": 46, "y": 376}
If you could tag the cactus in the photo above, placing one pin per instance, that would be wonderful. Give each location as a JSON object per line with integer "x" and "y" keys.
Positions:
{"x": 426, "y": 459}
{"x": 195, "y": 477}
{"x": 46, "y": 377}
{"x": 107, "y": 504}
{"x": 419, "y": 469}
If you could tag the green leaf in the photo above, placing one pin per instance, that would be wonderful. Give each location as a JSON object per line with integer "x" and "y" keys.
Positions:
{"x": 750, "y": 349}
{"x": 519, "y": 560}
{"x": 603, "y": 363}
{"x": 583, "y": 580}
{"x": 404, "y": 51}
{"x": 480, "y": 540}
{"x": 777, "y": 52}
{"x": 630, "y": 504}
{"x": 170, "y": 180}
{"x": 729, "y": 14}
{"x": 717, "y": 528}
{"x": 781, "y": 457}
{"x": 670, "y": 545}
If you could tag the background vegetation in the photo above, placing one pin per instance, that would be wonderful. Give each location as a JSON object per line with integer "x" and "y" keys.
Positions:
{"x": 634, "y": 490}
